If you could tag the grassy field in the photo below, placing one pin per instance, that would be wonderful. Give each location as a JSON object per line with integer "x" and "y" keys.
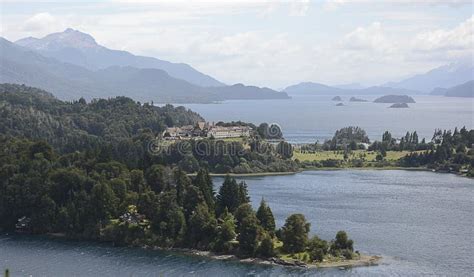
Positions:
{"x": 339, "y": 155}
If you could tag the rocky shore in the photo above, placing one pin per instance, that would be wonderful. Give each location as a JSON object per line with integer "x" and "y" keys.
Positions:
{"x": 361, "y": 260}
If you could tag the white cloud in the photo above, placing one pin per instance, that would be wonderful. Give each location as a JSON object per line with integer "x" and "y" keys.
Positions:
{"x": 299, "y": 7}
{"x": 459, "y": 38}
{"x": 215, "y": 38}
{"x": 40, "y": 22}
{"x": 334, "y": 4}
{"x": 371, "y": 38}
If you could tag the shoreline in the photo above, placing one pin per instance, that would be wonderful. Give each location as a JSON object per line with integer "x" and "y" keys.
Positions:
{"x": 362, "y": 260}
{"x": 257, "y": 174}
{"x": 283, "y": 173}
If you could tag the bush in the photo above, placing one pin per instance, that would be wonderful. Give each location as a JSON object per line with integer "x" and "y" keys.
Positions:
{"x": 265, "y": 248}
{"x": 346, "y": 253}
{"x": 342, "y": 245}
{"x": 317, "y": 248}
{"x": 295, "y": 233}
{"x": 317, "y": 255}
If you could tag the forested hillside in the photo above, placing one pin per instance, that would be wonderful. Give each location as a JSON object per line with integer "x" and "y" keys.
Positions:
{"x": 124, "y": 130}
{"x": 83, "y": 196}
{"x": 70, "y": 126}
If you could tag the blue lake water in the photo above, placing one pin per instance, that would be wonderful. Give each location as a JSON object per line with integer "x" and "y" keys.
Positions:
{"x": 421, "y": 222}
{"x": 307, "y": 118}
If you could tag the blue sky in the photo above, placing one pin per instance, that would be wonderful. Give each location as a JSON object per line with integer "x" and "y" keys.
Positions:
{"x": 267, "y": 43}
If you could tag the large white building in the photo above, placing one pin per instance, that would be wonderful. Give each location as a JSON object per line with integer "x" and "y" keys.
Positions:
{"x": 206, "y": 129}
{"x": 228, "y": 132}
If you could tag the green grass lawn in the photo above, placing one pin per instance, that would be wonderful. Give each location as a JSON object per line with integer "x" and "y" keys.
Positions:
{"x": 240, "y": 139}
{"x": 339, "y": 155}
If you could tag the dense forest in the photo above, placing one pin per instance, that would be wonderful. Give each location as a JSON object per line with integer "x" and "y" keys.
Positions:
{"x": 452, "y": 152}
{"x": 71, "y": 126}
{"x": 123, "y": 130}
{"x": 83, "y": 196}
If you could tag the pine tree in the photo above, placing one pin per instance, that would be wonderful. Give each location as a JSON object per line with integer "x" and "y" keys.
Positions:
{"x": 295, "y": 233}
{"x": 415, "y": 137}
{"x": 204, "y": 182}
{"x": 202, "y": 226}
{"x": 182, "y": 183}
{"x": 226, "y": 232}
{"x": 249, "y": 233}
{"x": 265, "y": 216}
{"x": 231, "y": 195}
{"x": 243, "y": 193}
{"x": 192, "y": 199}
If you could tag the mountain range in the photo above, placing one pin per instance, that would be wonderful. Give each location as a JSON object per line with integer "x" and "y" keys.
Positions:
{"x": 321, "y": 89}
{"x": 462, "y": 90}
{"x": 72, "y": 64}
{"x": 75, "y": 47}
{"x": 444, "y": 76}
{"x": 48, "y": 64}
{"x": 435, "y": 82}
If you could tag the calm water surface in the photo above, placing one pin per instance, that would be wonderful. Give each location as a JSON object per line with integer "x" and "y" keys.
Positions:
{"x": 421, "y": 222}
{"x": 307, "y": 118}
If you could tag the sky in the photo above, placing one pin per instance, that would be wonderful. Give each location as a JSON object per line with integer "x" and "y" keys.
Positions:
{"x": 267, "y": 43}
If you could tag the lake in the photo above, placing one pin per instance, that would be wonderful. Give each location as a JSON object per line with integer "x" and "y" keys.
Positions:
{"x": 421, "y": 222}
{"x": 306, "y": 118}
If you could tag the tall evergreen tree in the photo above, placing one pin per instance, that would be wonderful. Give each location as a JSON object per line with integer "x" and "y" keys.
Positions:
{"x": 156, "y": 178}
{"x": 231, "y": 195}
{"x": 204, "y": 182}
{"x": 226, "y": 232}
{"x": 192, "y": 199}
{"x": 182, "y": 183}
{"x": 249, "y": 234}
{"x": 265, "y": 216}
{"x": 295, "y": 233}
{"x": 202, "y": 226}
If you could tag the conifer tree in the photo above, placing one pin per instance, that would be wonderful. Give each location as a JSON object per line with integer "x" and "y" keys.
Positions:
{"x": 204, "y": 182}
{"x": 265, "y": 216}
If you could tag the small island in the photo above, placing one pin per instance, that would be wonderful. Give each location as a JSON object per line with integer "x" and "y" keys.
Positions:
{"x": 399, "y": 105}
{"x": 355, "y": 99}
{"x": 339, "y": 104}
{"x": 392, "y": 99}
{"x": 336, "y": 98}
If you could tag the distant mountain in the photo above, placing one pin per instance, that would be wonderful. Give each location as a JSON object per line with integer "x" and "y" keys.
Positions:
{"x": 444, "y": 77}
{"x": 438, "y": 91}
{"x": 321, "y": 89}
{"x": 463, "y": 90}
{"x": 75, "y": 47}
{"x": 67, "y": 81}
{"x": 240, "y": 91}
{"x": 394, "y": 99}
{"x": 351, "y": 86}
{"x": 312, "y": 88}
